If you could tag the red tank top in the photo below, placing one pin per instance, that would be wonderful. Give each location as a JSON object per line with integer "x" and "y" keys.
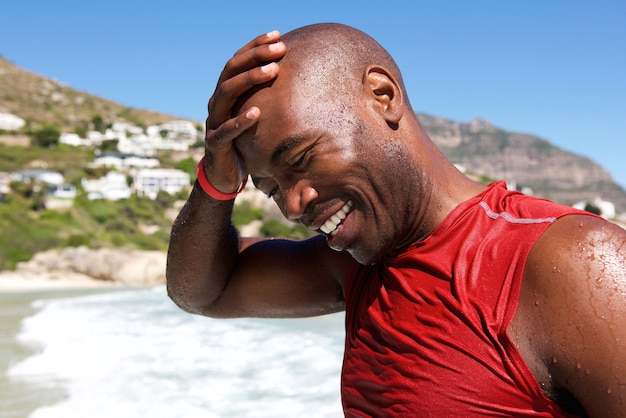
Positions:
{"x": 426, "y": 329}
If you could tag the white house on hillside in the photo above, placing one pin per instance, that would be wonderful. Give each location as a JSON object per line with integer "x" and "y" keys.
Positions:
{"x": 148, "y": 182}
{"x": 72, "y": 139}
{"x": 124, "y": 161}
{"x": 123, "y": 127}
{"x": 62, "y": 191}
{"x": 607, "y": 209}
{"x": 176, "y": 135}
{"x": 138, "y": 144}
{"x": 184, "y": 127}
{"x": 94, "y": 138}
{"x": 143, "y": 144}
{"x": 11, "y": 122}
{"x": 113, "y": 186}
{"x": 5, "y": 181}
{"x": 38, "y": 175}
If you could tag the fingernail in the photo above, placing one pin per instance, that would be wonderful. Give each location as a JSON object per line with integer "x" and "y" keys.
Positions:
{"x": 276, "y": 46}
{"x": 272, "y": 34}
{"x": 252, "y": 113}
{"x": 267, "y": 68}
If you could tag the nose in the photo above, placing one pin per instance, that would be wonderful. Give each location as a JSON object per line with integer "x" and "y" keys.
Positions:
{"x": 297, "y": 199}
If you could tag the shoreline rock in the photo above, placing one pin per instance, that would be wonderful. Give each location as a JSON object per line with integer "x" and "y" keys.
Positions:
{"x": 86, "y": 267}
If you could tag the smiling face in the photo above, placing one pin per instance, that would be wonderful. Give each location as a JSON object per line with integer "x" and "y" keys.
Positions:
{"x": 331, "y": 163}
{"x": 336, "y": 144}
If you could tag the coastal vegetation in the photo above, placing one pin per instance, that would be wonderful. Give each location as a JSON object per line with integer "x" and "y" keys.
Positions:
{"x": 28, "y": 227}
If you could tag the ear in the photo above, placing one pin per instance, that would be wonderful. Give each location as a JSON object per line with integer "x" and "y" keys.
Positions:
{"x": 384, "y": 90}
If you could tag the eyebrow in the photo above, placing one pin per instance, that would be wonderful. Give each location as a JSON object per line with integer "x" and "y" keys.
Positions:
{"x": 286, "y": 145}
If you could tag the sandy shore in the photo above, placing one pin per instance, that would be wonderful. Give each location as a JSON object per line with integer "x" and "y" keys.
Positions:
{"x": 12, "y": 282}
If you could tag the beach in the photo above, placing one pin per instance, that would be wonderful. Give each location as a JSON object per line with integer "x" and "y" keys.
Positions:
{"x": 49, "y": 276}
{"x": 19, "y": 399}
{"x": 69, "y": 350}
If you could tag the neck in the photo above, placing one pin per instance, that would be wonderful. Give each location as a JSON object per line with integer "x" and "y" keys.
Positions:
{"x": 442, "y": 187}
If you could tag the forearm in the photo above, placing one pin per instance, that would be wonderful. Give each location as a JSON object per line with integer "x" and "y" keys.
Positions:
{"x": 204, "y": 245}
{"x": 202, "y": 251}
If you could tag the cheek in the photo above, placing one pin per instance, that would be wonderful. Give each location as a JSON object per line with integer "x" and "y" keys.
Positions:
{"x": 397, "y": 157}
{"x": 388, "y": 160}
{"x": 337, "y": 161}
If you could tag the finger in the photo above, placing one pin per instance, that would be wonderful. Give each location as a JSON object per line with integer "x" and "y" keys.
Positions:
{"x": 223, "y": 166}
{"x": 247, "y": 68}
{"x": 240, "y": 75}
{"x": 228, "y": 92}
{"x": 223, "y": 135}
{"x": 251, "y": 58}
{"x": 266, "y": 38}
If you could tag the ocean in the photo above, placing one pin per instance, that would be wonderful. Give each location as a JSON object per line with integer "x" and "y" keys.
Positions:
{"x": 133, "y": 353}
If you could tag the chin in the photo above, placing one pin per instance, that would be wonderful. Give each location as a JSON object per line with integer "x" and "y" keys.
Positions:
{"x": 371, "y": 248}
{"x": 367, "y": 258}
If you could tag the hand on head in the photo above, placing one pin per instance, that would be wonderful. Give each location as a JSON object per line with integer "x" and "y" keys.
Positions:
{"x": 252, "y": 65}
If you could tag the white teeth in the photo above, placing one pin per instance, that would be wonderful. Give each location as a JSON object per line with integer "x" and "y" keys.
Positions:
{"x": 330, "y": 226}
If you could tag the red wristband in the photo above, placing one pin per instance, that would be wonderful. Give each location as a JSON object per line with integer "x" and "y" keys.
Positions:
{"x": 212, "y": 191}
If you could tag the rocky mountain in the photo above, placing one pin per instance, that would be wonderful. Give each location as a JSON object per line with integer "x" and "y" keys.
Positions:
{"x": 523, "y": 159}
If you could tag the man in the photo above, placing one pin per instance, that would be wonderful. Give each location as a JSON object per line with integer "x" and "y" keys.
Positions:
{"x": 460, "y": 299}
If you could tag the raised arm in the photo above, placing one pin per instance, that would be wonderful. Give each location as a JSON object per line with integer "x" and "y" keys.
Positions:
{"x": 209, "y": 271}
{"x": 578, "y": 272}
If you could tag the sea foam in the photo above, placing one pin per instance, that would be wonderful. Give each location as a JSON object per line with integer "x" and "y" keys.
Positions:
{"x": 134, "y": 354}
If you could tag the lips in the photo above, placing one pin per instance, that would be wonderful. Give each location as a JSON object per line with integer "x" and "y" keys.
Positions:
{"x": 331, "y": 226}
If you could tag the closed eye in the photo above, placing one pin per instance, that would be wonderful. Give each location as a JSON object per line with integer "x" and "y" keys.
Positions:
{"x": 263, "y": 184}
{"x": 301, "y": 159}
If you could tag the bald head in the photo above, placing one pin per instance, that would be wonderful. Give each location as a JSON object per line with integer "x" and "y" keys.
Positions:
{"x": 330, "y": 74}
{"x": 331, "y": 56}
{"x": 327, "y": 60}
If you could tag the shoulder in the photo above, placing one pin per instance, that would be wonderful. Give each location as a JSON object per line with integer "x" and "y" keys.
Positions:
{"x": 575, "y": 241}
{"x": 577, "y": 274}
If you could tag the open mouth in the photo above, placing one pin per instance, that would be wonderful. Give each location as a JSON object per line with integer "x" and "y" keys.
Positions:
{"x": 331, "y": 226}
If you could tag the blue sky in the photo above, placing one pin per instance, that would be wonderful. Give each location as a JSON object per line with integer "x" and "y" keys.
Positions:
{"x": 552, "y": 68}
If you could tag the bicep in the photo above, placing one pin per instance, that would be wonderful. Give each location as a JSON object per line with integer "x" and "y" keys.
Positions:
{"x": 584, "y": 293}
{"x": 284, "y": 278}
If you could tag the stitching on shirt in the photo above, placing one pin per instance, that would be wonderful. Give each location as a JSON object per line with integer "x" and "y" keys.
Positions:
{"x": 512, "y": 219}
